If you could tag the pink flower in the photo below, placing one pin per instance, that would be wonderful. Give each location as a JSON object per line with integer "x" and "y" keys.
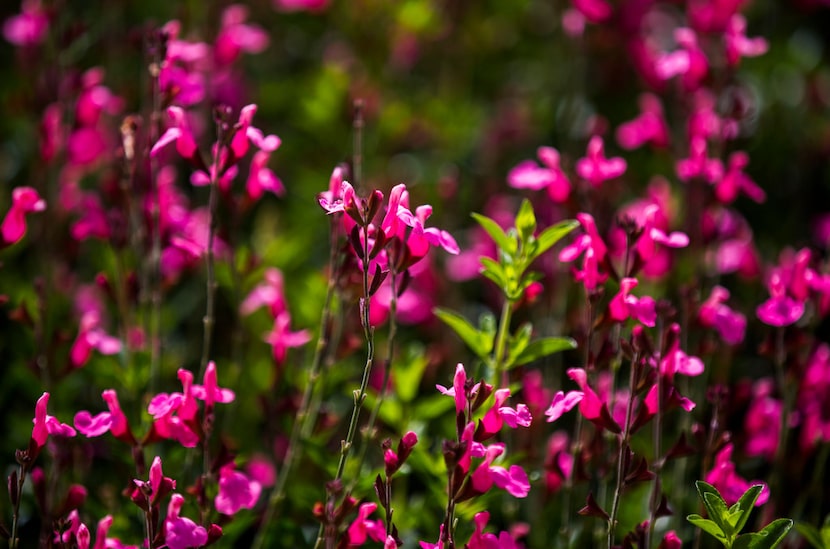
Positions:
{"x": 528, "y": 175}
{"x": 595, "y": 168}
{"x": 714, "y": 313}
{"x": 780, "y": 309}
{"x": 92, "y": 336}
{"x": 25, "y": 200}
{"x": 181, "y": 532}
{"x": 737, "y": 43}
{"x": 113, "y": 421}
{"x": 363, "y": 527}
{"x": 763, "y": 421}
{"x": 676, "y": 361}
{"x": 590, "y": 406}
{"x": 726, "y": 480}
{"x": 269, "y": 293}
{"x": 689, "y": 62}
{"x": 210, "y": 392}
{"x": 562, "y": 403}
{"x": 102, "y": 541}
{"x": 439, "y": 544}
{"x": 595, "y": 11}
{"x": 514, "y": 480}
{"x": 261, "y": 178}
{"x": 649, "y": 127}
{"x": 175, "y": 413}
{"x": 245, "y": 132}
{"x": 457, "y": 390}
{"x": 236, "y": 491}
{"x": 180, "y": 134}
{"x": 45, "y": 425}
{"x": 301, "y": 5}
{"x": 735, "y": 181}
{"x": 154, "y": 489}
{"x": 594, "y": 249}
{"x": 482, "y": 540}
{"x": 30, "y": 27}
{"x": 236, "y": 36}
{"x": 499, "y": 414}
{"x": 281, "y": 338}
{"x": 699, "y": 165}
{"x": 624, "y": 305}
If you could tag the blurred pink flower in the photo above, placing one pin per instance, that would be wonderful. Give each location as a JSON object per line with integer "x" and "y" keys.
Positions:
{"x": 698, "y": 164}
{"x": 268, "y": 293}
{"x": 714, "y": 313}
{"x": 281, "y": 338}
{"x": 113, "y": 421}
{"x": 624, "y": 305}
{"x": 595, "y": 11}
{"x": 735, "y": 181}
{"x": 762, "y": 423}
{"x": 210, "y": 392}
{"x": 689, "y": 62}
{"x": 726, "y": 480}
{"x": 649, "y": 127}
{"x": 514, "y": 480}
{"x": 29, "y": 28}
{"x": 25, "y": 200}
{"x": 236, "y": 491}
{"x": 737, "y": 43}
{"x": 529, "y": 175}
{"x": 301, "y": 5}
{"x": 181, "y": 532}
{"x": 595, "y": 168}
{"x": 235, "y": 36}
{"x": 562, "y": 403}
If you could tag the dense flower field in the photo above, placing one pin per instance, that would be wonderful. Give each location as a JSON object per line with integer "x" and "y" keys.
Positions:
{"x": 426, "y": 273}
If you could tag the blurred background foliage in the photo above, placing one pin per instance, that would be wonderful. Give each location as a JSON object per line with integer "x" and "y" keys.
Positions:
{"x": 456, "y": 92}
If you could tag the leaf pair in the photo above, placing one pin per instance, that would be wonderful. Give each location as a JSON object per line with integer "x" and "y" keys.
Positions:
{"x": 725, "y": 523}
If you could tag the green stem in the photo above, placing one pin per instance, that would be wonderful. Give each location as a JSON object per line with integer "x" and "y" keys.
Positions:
{"x": 624, "y": 446}
{"x": 657, "y": 436}
{"x": 499, "y": 371}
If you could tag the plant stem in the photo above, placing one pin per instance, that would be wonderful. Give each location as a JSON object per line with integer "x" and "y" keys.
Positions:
{"x": 499, "y": 371}
{"x": 657, "y": 436}
{"x": 624, "y": 447}
{"x": 306, "y": 415}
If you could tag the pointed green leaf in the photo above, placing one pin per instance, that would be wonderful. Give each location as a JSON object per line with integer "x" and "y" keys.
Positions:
{"x": 743, "y": 508}
{"x": 525, "y": 221}
{"x": 770, "y": 536}
{"x": 495, "y": 272}
{"x": 704, "y": 488}
{"x": 719, "y": 513}
{"x": 544, "y": 347}
{"x": 518, "y": 343}
{"x": 708, "y": 526}
{"x": 552, "y": 235}
{"x": 492, "y": 228}
{"x": 480, "y": 343}
{"x": 811, "y": 534}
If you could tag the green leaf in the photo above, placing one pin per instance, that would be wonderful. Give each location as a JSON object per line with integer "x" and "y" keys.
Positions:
{"x": 504, "y": 242}
{"x": 479, "y": 342}
{"x": 770, "y": 536}
{"x": 743, "y": 508}
{"x": 811, "y": 534}
{"x": 704, "y": 488}
{"x": 495, "y": 272}
{"x": 544, "y": 347}
{"x": 525, "y": 221}
{"x": 408, "y": 373}
{"x": 708, "y": 526}
{"x": 552, "y": 235}
{"x": 518, "y": 343}
{"x": 428, "y": 408}
{"x": 719, "y": 513}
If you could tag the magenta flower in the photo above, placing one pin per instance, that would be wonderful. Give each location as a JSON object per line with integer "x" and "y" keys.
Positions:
{"x": 595, "y": 168}
{"x": 676, "y": 361}
{"x": 649, "y": 127}
{"x": 301, "y": 5}
{"x": 363, "y": 527}
{"x": 29, "y": 28}
{"x": 439, "y": 544}
{"x": 210, "y": 392}
{"x": 181, "y": 532}
{"x": 246, "y": 133}
{"x": 45, "y": 425}
{"x": 780, "y": 309}
{"x": 92, "y": 336}
{"x": 25, "y": 200}
{"x": 737, "y": 43}
{"x": 236, "y": 36}
{"x": 735, "y": 181}
{"x": 420, "y": 238}
{"x": 281, "y": 338}
{"x": 689, "y": 62}
{"x": 590, "y": 406}
{"x": 714, "y": 313}
{"x": 763, "y": 421}
{"x": 113, "y": 421}
{"x": 174, "y": 413}
{"x": 726, "y": 480}
{"x": 268, "y": 293}
{"x": 562, "y": 403}
{"x": 499, "y": 414}
{"x": 236, "y": 491}
{"x": 699, "y": 165}
{"x": 482, "y": 540}
{"x": 102, "y": 541}
{"x": 529, "y": 175}
{"x": 180, "y": 134}
{"x": 595, "y": 11}
{"x": 514, "y": 481}
{"x": 261, "y": 178}
{"x": 594, "y": 250}
{"x": 624, "y": 305}
{"x": 151, "y": 492}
